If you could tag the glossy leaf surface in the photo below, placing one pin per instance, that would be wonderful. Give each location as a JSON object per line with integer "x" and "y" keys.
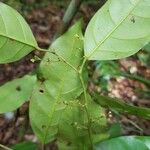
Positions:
{"x": 15, "y": 93}
{"x": 58, "y": 83}
{"x": 119, "y": 29}
{"x": 16, "y": 38}
{"x": 125, "y": 143}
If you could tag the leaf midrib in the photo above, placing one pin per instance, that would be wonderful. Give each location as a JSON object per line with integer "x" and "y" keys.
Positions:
{"x": 113, "y": 30}
{"x": 6, "y": 36}
{"x": 13, "y": 39}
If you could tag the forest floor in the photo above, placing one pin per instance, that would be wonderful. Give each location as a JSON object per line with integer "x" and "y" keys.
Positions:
{"x": 44, "y": 23}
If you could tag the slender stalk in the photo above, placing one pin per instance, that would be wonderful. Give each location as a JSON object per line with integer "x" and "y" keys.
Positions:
{"x": 86, "y": 102}
{"x": 5, "y": 148}
{"x": 81, "y": 68}
{"x": 41, "y": 49}
{"x": 68, "y": 16}
{"x": 89, "y": 122}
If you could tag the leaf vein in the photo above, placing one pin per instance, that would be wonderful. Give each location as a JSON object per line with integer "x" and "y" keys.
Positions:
{"x": 112, "y": 31}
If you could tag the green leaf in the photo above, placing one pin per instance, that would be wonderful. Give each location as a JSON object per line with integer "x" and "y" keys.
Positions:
{"x": 147, "y": 47}
{"x": 145, "y": 139}
{"x": 122, "y": 107}
{"x": 125, "y": 143}
{"x": 74, "y": 129}
{"x": 119, "y": 29}
{"x": 58, "y": 82}
{"x": 25, "y": 146}
{"x": 115, "y": 130}
{"x": 16, "y": 38}
{"x": 15, "y": 93}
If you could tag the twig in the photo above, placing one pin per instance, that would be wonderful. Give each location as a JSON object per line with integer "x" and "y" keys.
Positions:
{"x": 4, "y": 147}
{"x": 86, "y": 103}
{"x": 68, "y": 16}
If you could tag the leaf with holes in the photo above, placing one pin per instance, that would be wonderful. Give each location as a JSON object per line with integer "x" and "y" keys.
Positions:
{"x": 16, "y": 38}
{"x": 58, "y": 82}
{"x": 15, "y": 93}
{"x": 119, "y": 29}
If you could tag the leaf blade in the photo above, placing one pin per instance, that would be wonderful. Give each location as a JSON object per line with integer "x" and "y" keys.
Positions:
{"x": 123, "y": 143}
{"x": 74, "y": 129}
{"x": 116, "y": 31}
{"x": 14, "y": 42}
{"x": 15, "y": 93}
{"x": 61, "y": 83}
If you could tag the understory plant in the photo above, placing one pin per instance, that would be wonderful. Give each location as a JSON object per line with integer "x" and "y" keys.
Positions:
{"x": 60, "y": 107}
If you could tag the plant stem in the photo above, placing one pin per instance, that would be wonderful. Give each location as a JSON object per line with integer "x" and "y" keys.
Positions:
{"x": 68, "y": 16}
{"x": 89, "y": 123}
{"x": 83, "y": 63}
{"x": 5, "y": 148}
{"x": 86, "y": 102}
